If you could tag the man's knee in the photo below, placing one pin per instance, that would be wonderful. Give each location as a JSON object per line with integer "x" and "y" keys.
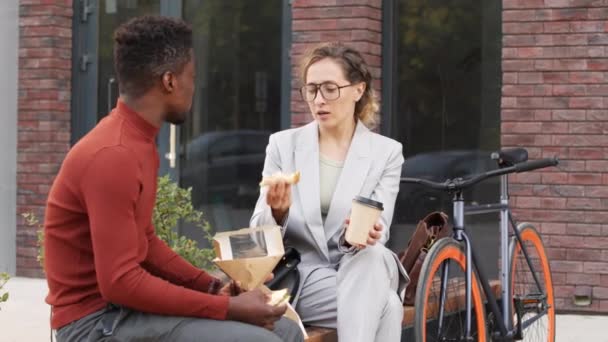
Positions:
{"x": 285, "y": 330}
{"x": 193, "y": 329}
{"x": 288, "y": 330}
{"x": 261, "y": 335}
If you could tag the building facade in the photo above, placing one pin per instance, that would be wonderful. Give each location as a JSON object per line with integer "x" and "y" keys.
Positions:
{"x": 456, "y": 80}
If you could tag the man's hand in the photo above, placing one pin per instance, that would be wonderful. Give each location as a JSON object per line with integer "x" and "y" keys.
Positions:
{"x": 279, "y": 198}
{"x": 231, "y": 288}
{"x": 234, "y": 288}
{"x": 252, "y": 307}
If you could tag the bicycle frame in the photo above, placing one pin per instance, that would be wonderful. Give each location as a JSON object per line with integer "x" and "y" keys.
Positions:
{"x": 510, "y": 161}
{"x": 504, "y": 316}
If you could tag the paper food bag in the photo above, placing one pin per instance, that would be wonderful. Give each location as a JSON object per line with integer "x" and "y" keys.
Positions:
{"x": 249, "y": 255}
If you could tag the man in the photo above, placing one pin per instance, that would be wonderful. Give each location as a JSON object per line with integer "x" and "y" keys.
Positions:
{"x": 110, "y": 277}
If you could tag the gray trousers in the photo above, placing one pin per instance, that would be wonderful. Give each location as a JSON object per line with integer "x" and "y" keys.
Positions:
{"x": 360, "y": 298}
{"x": 116, "y": 324}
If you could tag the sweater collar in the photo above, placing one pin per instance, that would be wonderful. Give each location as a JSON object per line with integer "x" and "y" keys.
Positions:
{"x": 148, "y": 130}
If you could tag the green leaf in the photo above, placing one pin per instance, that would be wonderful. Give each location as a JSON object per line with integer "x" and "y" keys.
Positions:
{"x": 174, "y": 204}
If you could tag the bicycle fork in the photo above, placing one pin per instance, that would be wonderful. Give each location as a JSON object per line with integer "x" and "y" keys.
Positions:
{"x": 461, "y": 236}
{"x": 471, "y": 260}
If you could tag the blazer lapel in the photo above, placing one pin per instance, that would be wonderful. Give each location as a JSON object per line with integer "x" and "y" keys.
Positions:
{"x": 307, "y": 162}
{"x": 351, "y": 180}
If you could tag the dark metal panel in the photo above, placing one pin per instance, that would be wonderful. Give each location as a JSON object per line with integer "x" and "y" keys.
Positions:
{"x": 171, "y": 9}
{"x": 286, "y": 66}
{"x": 85, "y": 25}
{"x": 389, "y": 67}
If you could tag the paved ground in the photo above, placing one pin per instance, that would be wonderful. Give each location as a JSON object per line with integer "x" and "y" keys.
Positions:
{"x": 25, "y": 317}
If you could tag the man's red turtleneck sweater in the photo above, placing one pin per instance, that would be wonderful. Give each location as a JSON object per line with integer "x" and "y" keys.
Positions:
{"x": 99, "y": 241}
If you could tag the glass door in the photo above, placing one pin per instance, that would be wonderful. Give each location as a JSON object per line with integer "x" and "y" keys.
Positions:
{"x": 237, "y": 105}
{"x": 94, "y": 83}
{"x": 446, "y": 108}
{"x": 112, "y": 13}
{"x": 242, "y": 95}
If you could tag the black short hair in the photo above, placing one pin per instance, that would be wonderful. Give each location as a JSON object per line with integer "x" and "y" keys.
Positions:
{"x": 146, "y": 47}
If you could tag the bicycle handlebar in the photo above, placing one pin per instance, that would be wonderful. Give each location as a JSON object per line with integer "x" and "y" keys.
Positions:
{"x": 460, "y": 184}
{"x": 536, "y": 164}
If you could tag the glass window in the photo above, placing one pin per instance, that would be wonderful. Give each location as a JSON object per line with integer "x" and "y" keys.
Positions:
{"x": 447, "y": 106}
{"x": 236, "y": 106}
{"x": 112, "y": 13}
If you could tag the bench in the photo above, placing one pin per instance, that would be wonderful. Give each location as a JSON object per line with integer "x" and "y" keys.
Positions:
{"x": 317, "y": 334}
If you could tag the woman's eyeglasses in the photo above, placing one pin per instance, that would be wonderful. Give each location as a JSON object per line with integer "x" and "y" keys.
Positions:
{"x": 329, "y": 90}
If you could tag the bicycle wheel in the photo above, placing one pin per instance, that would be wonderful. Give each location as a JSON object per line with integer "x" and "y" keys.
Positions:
{"x": 449, "y": 252}
{"x": 536, "y": 303}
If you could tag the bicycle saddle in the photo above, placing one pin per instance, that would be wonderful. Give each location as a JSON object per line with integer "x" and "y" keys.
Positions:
{"x": 510, "y": 157}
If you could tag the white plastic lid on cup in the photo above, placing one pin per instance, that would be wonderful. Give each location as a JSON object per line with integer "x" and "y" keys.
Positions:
{"x": 369, "y": 202}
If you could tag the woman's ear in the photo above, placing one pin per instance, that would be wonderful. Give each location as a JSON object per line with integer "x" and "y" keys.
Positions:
{"x": 360, "y": 89}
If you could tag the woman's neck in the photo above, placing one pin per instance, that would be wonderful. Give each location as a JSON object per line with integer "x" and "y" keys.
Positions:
{"x": 335, "y": 142}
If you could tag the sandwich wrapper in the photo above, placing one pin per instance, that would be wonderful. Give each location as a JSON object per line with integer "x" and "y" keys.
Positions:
{"x": 249, "y": 255}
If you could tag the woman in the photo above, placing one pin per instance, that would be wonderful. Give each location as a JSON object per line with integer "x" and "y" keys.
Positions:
{"x": 356, "y": 289}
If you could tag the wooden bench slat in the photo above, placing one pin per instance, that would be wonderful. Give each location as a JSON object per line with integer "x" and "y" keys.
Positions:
{"x": 317, "y": 334}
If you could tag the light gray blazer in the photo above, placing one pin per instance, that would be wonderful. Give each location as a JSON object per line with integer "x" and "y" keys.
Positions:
{"x": 372, "y": 169}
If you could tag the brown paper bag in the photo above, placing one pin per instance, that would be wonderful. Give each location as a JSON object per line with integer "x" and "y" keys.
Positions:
{"x": 249, "y": 255}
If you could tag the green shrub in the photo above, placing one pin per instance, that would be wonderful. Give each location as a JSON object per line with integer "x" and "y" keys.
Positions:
{"x": 32, "y": 220}
{"x": 173, "y": 204}
{"x": 4, "y": 277}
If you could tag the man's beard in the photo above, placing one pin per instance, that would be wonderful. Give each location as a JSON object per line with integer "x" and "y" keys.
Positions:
{"x": 176, "y": 118}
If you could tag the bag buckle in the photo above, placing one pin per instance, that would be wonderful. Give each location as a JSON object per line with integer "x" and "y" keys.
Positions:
{"x": 429, "y": 243}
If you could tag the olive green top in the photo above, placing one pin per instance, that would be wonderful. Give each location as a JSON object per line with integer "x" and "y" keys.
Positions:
{"x": 329, "y": 173}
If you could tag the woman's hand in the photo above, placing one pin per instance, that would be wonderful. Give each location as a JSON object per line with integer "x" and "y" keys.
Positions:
{"x": 279, "y": 198}
{"x": 374, "y": 234}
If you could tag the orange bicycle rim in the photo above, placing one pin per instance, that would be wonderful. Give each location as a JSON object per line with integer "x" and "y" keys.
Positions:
{"x": 531, "y": 236}
{"x": 455, "y": 254}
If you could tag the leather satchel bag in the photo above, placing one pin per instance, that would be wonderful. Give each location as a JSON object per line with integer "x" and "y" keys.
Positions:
{"x": 430, "y": 229}
{"x": 286, "y": 274}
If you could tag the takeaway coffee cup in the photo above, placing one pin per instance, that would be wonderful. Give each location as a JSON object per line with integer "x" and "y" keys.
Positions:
{"x": 364, "y": 214}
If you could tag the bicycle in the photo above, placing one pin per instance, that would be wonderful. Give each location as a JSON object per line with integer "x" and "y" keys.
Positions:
{"x": 526, "y": 289}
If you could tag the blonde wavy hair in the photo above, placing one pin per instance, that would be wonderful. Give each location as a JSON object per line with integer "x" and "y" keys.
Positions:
{"x": 355, "y": 69}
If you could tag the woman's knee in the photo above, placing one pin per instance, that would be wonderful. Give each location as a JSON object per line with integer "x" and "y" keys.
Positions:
{"x": 370, "y": 256}
{"x": 377, "y": 251}
{"x": 394, "y": 306}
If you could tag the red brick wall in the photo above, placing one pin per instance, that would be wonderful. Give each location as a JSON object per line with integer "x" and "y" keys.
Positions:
{"x": 555, "y": 102}
{"x": 45, "y": 47}
{"x": 355, "y": 22}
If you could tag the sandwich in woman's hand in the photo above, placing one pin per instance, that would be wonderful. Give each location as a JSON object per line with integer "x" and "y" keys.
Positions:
{"x": 291, "y": 179}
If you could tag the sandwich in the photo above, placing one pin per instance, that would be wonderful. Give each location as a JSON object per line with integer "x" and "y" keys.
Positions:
{"x": 290, "y": 179}
{"x": 279, "y": 297}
